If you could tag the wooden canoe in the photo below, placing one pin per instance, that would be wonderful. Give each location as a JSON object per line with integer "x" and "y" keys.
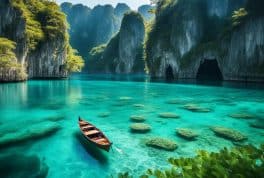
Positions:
{"x": 94, "y": 135}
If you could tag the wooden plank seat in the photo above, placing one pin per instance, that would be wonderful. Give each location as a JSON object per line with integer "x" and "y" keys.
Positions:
{"x": 91, "y": 132}
{"x": 102, "y": 141}
{"x": 87, "y": 127}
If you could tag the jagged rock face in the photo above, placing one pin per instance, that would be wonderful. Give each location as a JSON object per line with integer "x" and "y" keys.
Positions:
{"x": 121, "y": 9}
{"x": 124, "y": 52}
{"x": 92, "y": 27}
{"x": 144, "y": 11}
{"x": 131, "y": 38}
{"x": 176, "y": 32}
{"x": 47, "y": 60}
{"x": 186, "y": 47}
{"x": 223, "y": 8}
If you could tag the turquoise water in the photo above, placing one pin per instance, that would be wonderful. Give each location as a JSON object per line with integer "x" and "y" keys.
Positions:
{"x": 44, "y": 115}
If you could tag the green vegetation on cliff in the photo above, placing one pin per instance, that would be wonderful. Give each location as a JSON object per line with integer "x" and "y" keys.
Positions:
{"x": 8, "y": 59}
{"x": 44, "y": 22}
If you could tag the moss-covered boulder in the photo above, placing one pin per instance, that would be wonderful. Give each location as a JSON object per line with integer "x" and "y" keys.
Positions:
{"x": 186, "y": 133}
{"x": 161, "y": 143}
{"x": 196, "y": 108}
{"x": 169, "y": 115}
{"x": 242, "y": 115}
{"x": 137, "y": 118}
{"x": 18, "y": 165}
{"x": 228, "y": 133}
{"x": 140, "y": 128}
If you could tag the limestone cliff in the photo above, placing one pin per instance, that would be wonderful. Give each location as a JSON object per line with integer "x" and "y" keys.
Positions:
{"x": 124, "y": 52}
{"x": 191, "y": 38}
{"x": 42, "y": 47}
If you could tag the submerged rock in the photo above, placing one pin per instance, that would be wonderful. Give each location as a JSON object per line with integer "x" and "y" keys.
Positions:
{"x": 175, "y": 101}
{"x": 196, "y": 108}
{"x": 139, "y": 105}
{"x": 18, "y": 166}
{"x": 137, "y": 118}
{"x": 140, "y": 128}
{"x": 55, "y": 118}
{"x": 229, "y": 133}
{"x": 23, "y": 134}
{"x": 186, "y": 133}
{"x": 259, "y": 124}
{"x": 169, "y": 115}
{"x": 242, "y": 115}
{"x": 161, "y": 143}
{"x": 104, "y": 114}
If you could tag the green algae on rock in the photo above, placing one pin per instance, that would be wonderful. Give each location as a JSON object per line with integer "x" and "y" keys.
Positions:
{"x": 186, "y": 133}
{"x": 140, "y": 128}
{"x": 137, "y": 118}
{"x": 168, "y": 115}
{"x": 19, "y": 165}
{"x": 161, "y": 143}
{"x": 228, "y": 133}
{"x": 196, "y": 108}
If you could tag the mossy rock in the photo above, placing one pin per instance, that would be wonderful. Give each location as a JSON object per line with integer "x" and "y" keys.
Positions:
{"x": 196, "y": 108}
{"x": 186, "y": 133}
{"x": 140, "y": 128}
{"x": 137, "y": 118}
{"x": 104, "y": 114}
{"x": 259, "y": 124}
{"x": 161, "y": 143}
{"x": 228, "y": 133}
{"x": 168, "y": 115}
{"x": 242, "y": 116}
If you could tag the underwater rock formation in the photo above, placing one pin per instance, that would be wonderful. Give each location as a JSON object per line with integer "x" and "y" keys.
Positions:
{"x": 161, "y": 143}
{"x": 242, "y": 115}
{"x": 169, "y": 115}
{"x": 42, "y": 49}
{"x": 137, "y": 118}
{"x": 13, "y": 135}
{"x": 124, "y": 52}
{"x": 186, "y": 133}
{"x": 140, "y": 128}
{"x": 18, "y": 165}
{"x": 195, "y": 108}
{"x": 194, "y": 39}
{"x": 259, "y": 124}
{"x": 228, "y": 133}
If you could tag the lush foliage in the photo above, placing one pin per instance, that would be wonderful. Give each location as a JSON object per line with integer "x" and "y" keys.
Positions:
{"x": 7, "y": 55}
{"x": 44, "y": 20}
{"x": 242, "y": 162}
{"x": 8, "y": 59}
{"x": 74, "y": 62}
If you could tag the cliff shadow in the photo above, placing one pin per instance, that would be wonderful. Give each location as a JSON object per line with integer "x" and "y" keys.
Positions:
{"x": 209, "y": 71}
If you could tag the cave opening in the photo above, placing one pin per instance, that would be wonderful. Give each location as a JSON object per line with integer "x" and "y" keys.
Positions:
{"x": 209, "y": 70}
{"x": 169, "y": 73}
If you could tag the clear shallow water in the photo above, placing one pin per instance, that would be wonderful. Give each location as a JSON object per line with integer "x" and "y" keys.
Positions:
{"x": 36, "y": 104}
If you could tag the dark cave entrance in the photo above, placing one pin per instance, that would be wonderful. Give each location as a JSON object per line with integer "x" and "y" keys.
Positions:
{"x": 169, "y": 73}
{"x": 209, "y": 70}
